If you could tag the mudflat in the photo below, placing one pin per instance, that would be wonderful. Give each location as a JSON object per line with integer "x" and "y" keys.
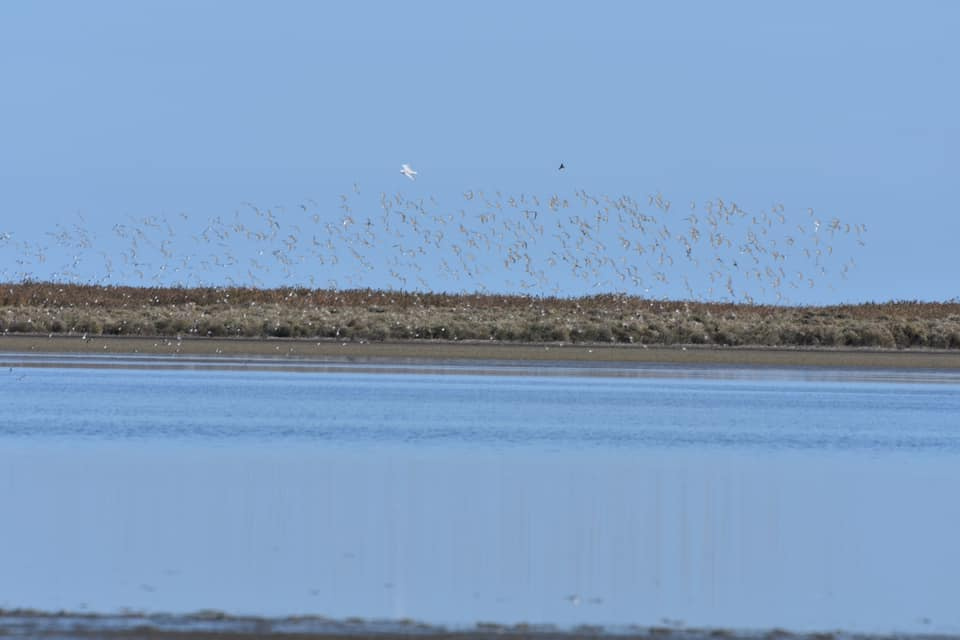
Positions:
{"x": 426, "y": 350}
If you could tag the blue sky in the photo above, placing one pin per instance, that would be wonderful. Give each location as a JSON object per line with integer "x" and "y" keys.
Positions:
{"x": 115, "y": 111}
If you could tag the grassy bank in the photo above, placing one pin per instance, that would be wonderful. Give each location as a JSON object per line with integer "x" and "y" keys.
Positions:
{"x": 44, "y": 308}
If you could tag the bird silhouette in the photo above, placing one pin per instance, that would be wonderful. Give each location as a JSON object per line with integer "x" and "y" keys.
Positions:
{"x": 559, "y": 243}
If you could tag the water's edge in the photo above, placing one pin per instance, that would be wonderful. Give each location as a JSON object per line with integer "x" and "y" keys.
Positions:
{"x": 210, "y": 625}
{"x": 863, "y": 357}
{"x": 512, "y": 364}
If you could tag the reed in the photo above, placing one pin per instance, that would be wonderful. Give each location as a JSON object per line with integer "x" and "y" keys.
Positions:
{"x": 376, "y": 315}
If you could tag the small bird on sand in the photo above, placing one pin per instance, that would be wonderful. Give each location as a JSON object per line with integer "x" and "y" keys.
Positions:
{"x": 407, "y": 171}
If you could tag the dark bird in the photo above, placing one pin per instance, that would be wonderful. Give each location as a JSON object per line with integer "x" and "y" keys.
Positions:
{"x": 561, "y": 167}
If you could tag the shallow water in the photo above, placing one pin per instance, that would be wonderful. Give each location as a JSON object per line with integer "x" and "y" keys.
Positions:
{"x": 460, "y": 493}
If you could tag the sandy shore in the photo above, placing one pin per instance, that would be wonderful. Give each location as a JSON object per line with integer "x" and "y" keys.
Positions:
{"x": 486, "y": 351}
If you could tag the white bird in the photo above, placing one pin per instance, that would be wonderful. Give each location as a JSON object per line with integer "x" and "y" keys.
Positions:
{"x": 407, "y": 171}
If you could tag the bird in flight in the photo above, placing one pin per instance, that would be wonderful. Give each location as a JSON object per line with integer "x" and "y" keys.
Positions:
{"x": 561, "y": 167}
{"x": 407, "y": 171}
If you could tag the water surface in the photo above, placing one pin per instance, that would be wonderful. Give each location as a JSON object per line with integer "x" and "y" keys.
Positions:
{"x": 458, "y": 493}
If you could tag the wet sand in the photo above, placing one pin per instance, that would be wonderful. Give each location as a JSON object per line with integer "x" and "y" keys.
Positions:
{"x": 486, "y": 351}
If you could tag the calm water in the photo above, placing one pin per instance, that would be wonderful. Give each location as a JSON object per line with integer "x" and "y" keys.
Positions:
{"x": 456, "y": 494}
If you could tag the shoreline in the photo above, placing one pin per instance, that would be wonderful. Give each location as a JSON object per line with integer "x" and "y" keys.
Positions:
{"x": 480, "y": 351}
{"x": 212, "y": 625}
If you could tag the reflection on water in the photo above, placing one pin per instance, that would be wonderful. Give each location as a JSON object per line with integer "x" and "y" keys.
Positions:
{"x": 455, "y": 499}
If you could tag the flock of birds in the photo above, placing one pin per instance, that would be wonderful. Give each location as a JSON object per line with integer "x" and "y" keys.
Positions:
{"x": 577, "y": 243}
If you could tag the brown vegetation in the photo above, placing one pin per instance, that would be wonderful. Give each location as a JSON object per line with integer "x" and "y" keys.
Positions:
{"x": 45, "y": 308}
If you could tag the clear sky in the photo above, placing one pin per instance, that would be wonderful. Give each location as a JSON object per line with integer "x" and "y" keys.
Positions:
{"x": 175, "y": 114}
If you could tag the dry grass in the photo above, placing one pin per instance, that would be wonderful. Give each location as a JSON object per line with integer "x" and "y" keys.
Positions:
{"x": 384, "y": 315}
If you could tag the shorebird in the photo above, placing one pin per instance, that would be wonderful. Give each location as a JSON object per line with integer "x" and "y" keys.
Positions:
{"x": 407, "y": 171}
